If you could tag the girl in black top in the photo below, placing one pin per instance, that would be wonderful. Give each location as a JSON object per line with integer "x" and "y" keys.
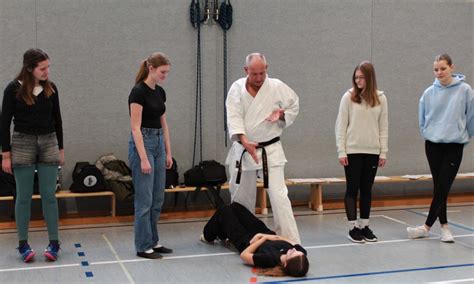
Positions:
{"x": 149, "y": 152}
{"x": 31, "y": 100}
{"x": 256, "y": 243}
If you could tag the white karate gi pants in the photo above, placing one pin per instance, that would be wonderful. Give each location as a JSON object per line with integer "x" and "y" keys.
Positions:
{"x": 245, "y": 193}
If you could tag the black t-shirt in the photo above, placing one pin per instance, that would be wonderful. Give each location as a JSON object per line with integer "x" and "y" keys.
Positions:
{"x": 152, "y": 101}
{"x": 268, "y": 254}
{"x": 43, "y": 117}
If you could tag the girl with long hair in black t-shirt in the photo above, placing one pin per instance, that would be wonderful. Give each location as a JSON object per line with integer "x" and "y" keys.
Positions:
{"x": 259, "y": 246}
{"x": 149, "y": 152}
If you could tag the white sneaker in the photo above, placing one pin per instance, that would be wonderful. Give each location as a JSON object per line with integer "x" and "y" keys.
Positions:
{"x": 417, "y": 232}
{"x": 446, "y": 235}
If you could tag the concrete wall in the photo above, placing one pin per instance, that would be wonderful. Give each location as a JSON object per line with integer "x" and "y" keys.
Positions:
{"x": 312, "y": 45}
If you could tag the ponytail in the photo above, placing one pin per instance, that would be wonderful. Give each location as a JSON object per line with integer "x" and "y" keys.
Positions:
{"x": 142, "y": 72}
{"x": 155, "y": 60}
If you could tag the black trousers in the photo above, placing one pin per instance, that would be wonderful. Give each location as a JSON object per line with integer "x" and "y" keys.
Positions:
{"x": 444, "y": 160}
{"x": 360, "y": 175}
{"x": 236, "y": 223}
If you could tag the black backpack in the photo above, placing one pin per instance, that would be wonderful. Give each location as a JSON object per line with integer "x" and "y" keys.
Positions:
{"x": 172, "y": 176}
{"x": 205, "y": 173}
{"x": 87, "y": 178}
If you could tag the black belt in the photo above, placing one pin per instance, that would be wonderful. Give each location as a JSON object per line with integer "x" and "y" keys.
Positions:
{"x": 262, "y": 146}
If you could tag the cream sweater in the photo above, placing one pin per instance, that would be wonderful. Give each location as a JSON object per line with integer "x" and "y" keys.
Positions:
{"x": 361, "y": 129}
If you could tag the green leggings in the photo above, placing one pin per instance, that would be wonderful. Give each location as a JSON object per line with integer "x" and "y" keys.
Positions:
{"x": 24, "y": 178}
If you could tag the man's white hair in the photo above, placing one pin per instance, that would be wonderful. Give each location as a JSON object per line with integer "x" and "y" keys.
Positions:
{"x": 251, "y": 56}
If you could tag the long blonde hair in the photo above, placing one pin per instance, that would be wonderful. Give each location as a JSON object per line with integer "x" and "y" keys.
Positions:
{"x": 369, "y": 94}
{"x": 156, "y": 60}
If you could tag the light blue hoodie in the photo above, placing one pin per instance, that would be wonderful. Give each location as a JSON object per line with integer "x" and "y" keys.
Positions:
{"x": 446, "y": 113}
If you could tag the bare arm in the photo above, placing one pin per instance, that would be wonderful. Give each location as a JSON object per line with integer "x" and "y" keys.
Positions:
{"x": 256, "y": 242}
{"x": 166, "y": 134}
{"x": 136, "y": 122}
{"x": 247, "y": 254}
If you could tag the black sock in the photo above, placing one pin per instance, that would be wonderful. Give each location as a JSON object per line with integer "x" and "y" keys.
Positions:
{"x": 22, "y": 243}
{"x": 54, "y": 242}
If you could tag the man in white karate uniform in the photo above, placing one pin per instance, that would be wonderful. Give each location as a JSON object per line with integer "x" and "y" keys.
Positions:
{"x": 258, "y": 109}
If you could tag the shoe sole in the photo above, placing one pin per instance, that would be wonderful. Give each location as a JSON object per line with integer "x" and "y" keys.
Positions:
{"x": 29, "y": 257}
{"x": 202, "y": 239}
{"x": 370, "y": 240}
{"x": 50, "y": 257}
{"x": 448, "y": 241}
{"x": 149, "y": 256}
{"x": 355, "y": 241}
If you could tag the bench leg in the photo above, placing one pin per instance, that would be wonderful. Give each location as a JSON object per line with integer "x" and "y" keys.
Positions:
{"x": 113, "y": 208}
{"x": 316, "y": 198}
{"x": 262, "y": 196}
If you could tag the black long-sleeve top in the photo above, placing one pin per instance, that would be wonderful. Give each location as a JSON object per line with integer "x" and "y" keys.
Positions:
{"x": 43, "y": 117}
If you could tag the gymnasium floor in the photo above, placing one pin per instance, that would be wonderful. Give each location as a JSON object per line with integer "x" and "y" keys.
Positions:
{"x": 105, "y": 254}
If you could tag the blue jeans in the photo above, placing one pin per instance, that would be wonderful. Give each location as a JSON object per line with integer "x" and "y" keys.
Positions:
{"x": 149, "y": 188}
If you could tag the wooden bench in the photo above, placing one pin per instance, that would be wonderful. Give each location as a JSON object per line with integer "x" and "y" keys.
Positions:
{"x": 262, "y": 197}
{"x": 316, "y": 184}
{"x": 69, "y": 194}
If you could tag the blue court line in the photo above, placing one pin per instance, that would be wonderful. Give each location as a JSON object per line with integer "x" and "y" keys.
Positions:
{"x": 372, "y": 273}
{"x": 84, "y": 263}
{"x": 449, "y": 222}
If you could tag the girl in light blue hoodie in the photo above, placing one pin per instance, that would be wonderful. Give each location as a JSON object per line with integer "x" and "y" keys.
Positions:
{"x": 446, "y": 117}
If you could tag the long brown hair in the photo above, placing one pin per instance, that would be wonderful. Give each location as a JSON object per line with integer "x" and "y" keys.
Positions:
{"x": 297, "y": 267}
{"x": 31, "y": 58}
{"x": 156, "y": 60}
{"x": 369, "y": 94}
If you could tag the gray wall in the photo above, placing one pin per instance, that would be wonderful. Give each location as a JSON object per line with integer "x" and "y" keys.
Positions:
{"x": 96, "y": 47}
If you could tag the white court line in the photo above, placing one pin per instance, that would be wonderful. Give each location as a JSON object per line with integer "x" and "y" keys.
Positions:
{"x": 453, "y": 281}
{"x": 386, "y": 217}
{"x": 164, "y": 258}
{"x": 38, "y": 267}
{"x": 219, "y": 254}
{"x": 463, "y": 236}
{"x": 449, "y": 211}
{"x": 395, "y": 220}
{"x": 369, "y": 243}
{"x": 118, "y": 259}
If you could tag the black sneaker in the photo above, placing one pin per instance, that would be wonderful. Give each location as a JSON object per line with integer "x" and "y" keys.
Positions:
{"x": 162, "y": 249}
{"x": 356, "y": 236}
{"x": 151, "y": 255}
{"x": 368, "y": 234}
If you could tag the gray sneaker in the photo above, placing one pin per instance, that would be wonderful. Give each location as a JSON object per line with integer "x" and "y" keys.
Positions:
{"x": 417, "y": 232}
{"x": 446, "y": 235}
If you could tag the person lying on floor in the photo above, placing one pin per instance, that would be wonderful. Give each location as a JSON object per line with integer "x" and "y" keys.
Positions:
{"x": 257, "y": 244}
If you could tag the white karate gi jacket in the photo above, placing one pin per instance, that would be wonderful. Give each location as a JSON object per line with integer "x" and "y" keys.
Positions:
{"x": 247, "y": 115}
